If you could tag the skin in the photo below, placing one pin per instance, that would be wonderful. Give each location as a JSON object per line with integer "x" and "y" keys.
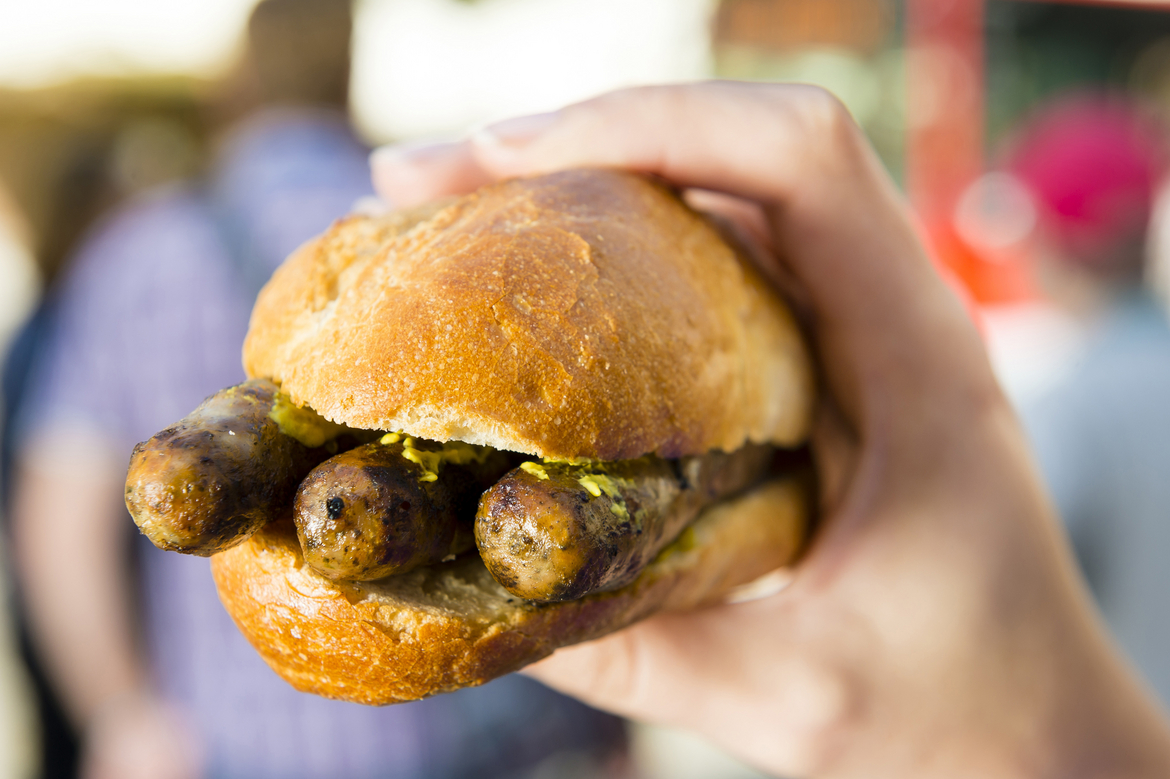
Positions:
{"x": 69, "y": 524}
{"x": 938, "y": 626}
{"x": 69, "y": 533}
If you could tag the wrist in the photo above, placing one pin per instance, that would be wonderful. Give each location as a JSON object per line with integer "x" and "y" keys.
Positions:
{"x": 1104, "y": 725}
{"x": 136, "y": 735}
{"x": 1080, "y": 713}
{"x": 1042, "y": 695}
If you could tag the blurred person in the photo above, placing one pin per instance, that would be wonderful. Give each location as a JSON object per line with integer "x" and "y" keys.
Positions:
{"x": 1093, "y": 163}
{"x": 147, "y": 321}
{"x": 19, "y": 280}
{"x": 18, "y": 295}
{"x": 937, "y": 626}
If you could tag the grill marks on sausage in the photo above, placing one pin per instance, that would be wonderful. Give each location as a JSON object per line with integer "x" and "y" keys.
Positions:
{"x": 215, "y": 477}
{"x": 371, "y": 512}
{"x": 547, "y": 532}
{"x": 563, "y": 531}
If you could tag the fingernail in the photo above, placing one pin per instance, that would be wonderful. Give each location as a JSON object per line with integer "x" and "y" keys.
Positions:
{"x": 370, "y": 205}
{"x": 515, "y": 132}
{"x": 411, "y": 151}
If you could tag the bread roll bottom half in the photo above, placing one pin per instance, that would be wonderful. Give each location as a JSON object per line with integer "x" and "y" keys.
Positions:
{"x": 443, "y": 627}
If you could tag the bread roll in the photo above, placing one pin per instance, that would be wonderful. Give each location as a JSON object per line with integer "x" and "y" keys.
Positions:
{"x": 582, "y": 314}
{"x": 587, "y": 313}
{"x": 449, "y": 626}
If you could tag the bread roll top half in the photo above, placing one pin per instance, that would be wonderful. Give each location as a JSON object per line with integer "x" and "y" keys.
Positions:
{"x": 587, "y": 313}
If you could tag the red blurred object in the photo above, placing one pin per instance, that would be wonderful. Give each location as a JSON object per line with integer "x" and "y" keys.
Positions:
{"x": 990, "y": 277}
{"x": 778, "y": 24}
{"x": 1092, "y": 162}
{"x": 944, "y": 148}
{"x": 945, "y": 85}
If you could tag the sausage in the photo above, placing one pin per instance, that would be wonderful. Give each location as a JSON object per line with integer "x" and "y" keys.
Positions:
{"x": 560, "y": 531}
{"x": 215, "y": 477}
{"x": 382, "y": 508}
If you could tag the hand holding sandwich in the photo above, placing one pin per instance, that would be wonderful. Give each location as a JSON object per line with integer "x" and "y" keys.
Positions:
{"x": 937, "y": 627}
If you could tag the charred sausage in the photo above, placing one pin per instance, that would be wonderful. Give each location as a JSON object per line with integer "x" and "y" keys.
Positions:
{"x": 560, "y": 531}
{"x": 382, "y": 508}
{"x": 212, "y": 479}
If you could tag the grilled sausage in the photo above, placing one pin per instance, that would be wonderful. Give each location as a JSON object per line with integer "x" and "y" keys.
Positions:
{"x": 212, "y": 479}
{"x": 560, "y": 531}
{"x": 382, "y": 508}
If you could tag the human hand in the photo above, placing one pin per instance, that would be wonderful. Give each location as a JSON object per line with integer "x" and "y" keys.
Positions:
{"x": 139, "y": 737}
{"x": 937, "y": 627}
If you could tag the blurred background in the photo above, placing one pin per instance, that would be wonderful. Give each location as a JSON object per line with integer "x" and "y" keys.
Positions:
{"x": 1028, "y": 137}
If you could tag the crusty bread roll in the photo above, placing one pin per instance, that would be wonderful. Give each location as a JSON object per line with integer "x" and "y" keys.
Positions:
{"x": 444, "y": 627}
{"x": 588, "y": 313}
{"x": 583, "y": 314}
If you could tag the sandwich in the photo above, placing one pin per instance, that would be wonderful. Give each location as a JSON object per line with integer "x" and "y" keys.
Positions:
{"x": 485, "y": 428}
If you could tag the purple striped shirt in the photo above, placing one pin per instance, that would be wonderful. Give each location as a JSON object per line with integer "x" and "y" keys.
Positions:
{"x": 148, "y": 322}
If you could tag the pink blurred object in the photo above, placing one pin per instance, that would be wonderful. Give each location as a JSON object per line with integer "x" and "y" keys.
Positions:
{"x": 1093, "y": 163}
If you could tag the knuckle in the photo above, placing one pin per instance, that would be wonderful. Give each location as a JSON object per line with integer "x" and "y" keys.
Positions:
{"x": 623, "y": 101}
{"x": 823, "y": 117}
{"x": 815, "y": 120}
{"x": 606, "y": 672}
{"x": 816, "y": 707}
{"x": 806, "y": 116}
{"x": 618, "y": 670}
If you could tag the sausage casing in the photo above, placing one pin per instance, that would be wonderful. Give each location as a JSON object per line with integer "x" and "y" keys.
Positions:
{"x": 560, "y": 531}
{"x": 212, "y": 479}
{"x": 385, "y": 508}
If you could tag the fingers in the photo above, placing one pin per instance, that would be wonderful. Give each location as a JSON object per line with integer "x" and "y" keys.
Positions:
{"x": 758, "y": 692}
{"x": 744, "y": 224}
{"x": 749, "y": 140}
{"x": 835, "y": 450}
{"x": 409, "y": 174}
{"x": 887, "y": 327}
{"x": 793, "y": 149}
{"x": 616, "y": 672}
{"x": 745, "y": 214}
{"x": 836, "y": 219}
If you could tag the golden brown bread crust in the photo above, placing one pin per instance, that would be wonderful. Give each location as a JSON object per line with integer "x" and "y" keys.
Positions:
{"x": 440, "y": 628}
{"x": 586, "y": 313}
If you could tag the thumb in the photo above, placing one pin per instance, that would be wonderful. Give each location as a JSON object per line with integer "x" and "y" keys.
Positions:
{"x": 695, "y": 671}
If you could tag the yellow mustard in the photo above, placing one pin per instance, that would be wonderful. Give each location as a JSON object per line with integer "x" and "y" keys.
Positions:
{"x": 455, "y": 452}
{"x": 536, "y": 469}
{"x": 302, "y": 423}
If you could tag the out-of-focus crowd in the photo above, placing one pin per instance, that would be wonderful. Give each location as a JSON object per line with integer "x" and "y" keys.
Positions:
{"x": 116, "y": 660}
{"x": 144, "y": 320}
